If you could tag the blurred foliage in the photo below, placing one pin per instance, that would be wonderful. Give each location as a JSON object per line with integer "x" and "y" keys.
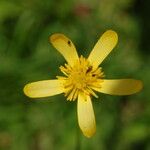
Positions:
{"x": 26, "y": 56}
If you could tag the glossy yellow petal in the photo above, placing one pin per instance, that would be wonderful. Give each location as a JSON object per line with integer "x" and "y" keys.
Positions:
{"x": 121, "y": 86}
{"x": 86, "y": 117}
{"x": 43, "y": 88}
{"x": 65, "y": 46}
{"x": 103, "y": 47}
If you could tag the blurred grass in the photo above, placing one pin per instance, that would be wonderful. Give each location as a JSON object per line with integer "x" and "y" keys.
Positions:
{"x": 26, "y": 56}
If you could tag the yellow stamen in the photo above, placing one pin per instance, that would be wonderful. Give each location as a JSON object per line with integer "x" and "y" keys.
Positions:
{"x": 81, "y": 78}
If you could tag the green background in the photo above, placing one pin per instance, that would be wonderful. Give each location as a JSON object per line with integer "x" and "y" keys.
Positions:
{"x": 123, "y": 123}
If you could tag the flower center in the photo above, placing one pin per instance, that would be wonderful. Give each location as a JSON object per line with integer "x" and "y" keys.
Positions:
{"x": 81, "y": 78}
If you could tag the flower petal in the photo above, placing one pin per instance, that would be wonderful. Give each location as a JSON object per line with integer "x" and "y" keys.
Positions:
{"x": 65, "y": 46}
{"x": 86, "y": 117}
{"x": 121, "y": 86}
{"x": 103, "y": 47}
{"x": 43, "y": 88}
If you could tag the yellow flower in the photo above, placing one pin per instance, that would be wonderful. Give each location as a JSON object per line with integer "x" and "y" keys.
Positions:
{"x": 82, "y": 77}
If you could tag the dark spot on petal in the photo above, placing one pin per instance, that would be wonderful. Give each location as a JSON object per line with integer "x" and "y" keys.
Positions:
{"x": 69, "y": 43}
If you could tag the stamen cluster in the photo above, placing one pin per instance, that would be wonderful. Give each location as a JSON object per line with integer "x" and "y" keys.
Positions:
{"x": 81, "y": 78}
